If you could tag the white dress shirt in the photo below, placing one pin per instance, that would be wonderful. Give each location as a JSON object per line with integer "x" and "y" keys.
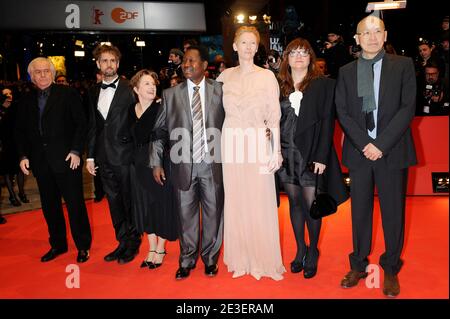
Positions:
{"x": 105, "y": 98}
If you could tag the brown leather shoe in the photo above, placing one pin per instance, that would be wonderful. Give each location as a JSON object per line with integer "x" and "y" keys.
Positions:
{"x": 391, "y": 286}
{"x": 352, "y": 278}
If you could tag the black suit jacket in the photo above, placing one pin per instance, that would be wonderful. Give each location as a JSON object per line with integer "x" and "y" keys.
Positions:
{"x": 396, "y": 107}
{"x": 314, "y": 134}
{"x": 174, "y": 113}
{"x": 110, "y": 140}
{"x": 63, "y": 129}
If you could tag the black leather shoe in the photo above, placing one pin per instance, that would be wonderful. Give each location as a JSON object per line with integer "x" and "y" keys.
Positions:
{"x": 98, "y": 199}
{"x": 83, "y": 256}
{"x": 211, "y": 270}
{"x": 2, "y": 220}
{"x": 182, "y": 273}
{"x": 115, "y": 254}
{"x": 23, "y": 198}
{"x": 127, "y": 256}
{"x": 52, "y": 254}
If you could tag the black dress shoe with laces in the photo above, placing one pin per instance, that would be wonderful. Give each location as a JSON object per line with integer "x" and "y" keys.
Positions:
{"x": 182, "y": 273}
{"x": 83, "y": 256}
{"x": 52, "y": 254}
{"x": 127, "y": 256}
{"x": 115, "y": 254}
{"x": 211, "y": 270}
{"x": 2, "y": 220}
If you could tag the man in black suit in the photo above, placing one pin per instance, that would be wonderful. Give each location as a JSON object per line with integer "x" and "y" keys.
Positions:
{"x": 192, "y": 114}
{"x": 375, "y": 101}
{"x": 50, "y": 132}
{"x": 110, "y": 147}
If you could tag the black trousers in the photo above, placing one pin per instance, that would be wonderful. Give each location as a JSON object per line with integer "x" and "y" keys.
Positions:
{"x": 116, "y": 184}
{"x": 391, "y": 185}
{"x": 204, "y": 191}
{"x": 52, "y": 186}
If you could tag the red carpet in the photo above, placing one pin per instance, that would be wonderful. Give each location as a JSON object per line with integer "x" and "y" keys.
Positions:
{"x": 24, "y": 239}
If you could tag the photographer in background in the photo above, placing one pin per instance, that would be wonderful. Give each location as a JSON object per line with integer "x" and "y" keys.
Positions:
{"x": 434, "y": 99}
{"x": 175, "y": 58}
{"x": 274, "y": 61}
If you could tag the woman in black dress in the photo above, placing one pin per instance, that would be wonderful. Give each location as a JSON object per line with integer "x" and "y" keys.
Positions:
{"x": 153, "y": 205}
{"x": 9, "y": 159}
{"x": 307, "y": 125}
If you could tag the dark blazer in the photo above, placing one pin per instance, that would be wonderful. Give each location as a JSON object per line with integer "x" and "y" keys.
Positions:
{"x": 396, "y": 107}
{"x": 110, "y": 140}
{"x": 176, "y": 113}
{"x": 63, "y": 129}
{"x": 314, "y": 134}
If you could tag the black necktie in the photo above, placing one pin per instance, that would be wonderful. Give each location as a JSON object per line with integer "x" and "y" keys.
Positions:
{"x": 110, "y": 85}
{"x": 370, "y": 121}
{"x": 370, "y": 118}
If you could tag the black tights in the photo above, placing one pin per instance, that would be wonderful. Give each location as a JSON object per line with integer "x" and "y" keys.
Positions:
{"x": 300, "y": 200}
{"x": 9, "y": 183}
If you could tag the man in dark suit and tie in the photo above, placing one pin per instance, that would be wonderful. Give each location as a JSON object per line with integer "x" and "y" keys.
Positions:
{"x": 50, "y": 133}
{"x": 192, "y": 114}
{"x": 110, "y": 147}
{"x": 375, "y": 101}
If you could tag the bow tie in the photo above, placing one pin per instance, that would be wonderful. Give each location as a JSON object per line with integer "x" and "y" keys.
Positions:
{"x": 110, "y": 85}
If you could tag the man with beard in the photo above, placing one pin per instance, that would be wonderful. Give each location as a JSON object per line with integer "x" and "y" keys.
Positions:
{"x": 110, "y": 147}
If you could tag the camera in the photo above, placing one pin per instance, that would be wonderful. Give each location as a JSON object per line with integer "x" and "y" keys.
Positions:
{"x": 432, "y": 90}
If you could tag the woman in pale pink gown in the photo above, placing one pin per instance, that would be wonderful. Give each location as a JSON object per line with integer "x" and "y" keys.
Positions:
{"x": 251, "y": 102}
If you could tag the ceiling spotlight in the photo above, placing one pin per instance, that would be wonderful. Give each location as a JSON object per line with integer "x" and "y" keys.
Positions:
{"x": 252, "y": 19}
{"x": 240, "y": 18}
{"x": 105, "y": 43}
{"x": 266, "y": 19}
{"x": 140, "y": 43}
{"x": 386, "y": 5}
{"x": 79, "y": 53}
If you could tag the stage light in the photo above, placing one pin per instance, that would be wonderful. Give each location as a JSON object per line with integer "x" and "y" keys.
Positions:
{"x": 266, "y": 19}
{"x": 140, "y": 43}
{"x": 105, "y": 43}
{"x": 240, "y": 18}
{"x": 79, "y": 43}
{"x": 440, "y": 182}
{"x": 252, "y": 19}
{"x": 79, "y": 53}
{"x": 386, "y": 5}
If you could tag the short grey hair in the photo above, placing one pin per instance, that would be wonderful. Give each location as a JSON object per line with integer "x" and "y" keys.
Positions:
{"x": 41, "y": 59}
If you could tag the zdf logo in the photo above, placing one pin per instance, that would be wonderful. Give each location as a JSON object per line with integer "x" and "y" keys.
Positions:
{"x": 119, "y": 15}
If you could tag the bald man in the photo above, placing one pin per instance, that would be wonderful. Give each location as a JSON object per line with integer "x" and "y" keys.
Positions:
{"x": 375, "y": 101}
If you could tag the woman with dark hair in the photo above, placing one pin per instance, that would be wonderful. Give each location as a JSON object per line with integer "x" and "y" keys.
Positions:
{"x": 307, "y": 125}
{"x": 152, "y": 204}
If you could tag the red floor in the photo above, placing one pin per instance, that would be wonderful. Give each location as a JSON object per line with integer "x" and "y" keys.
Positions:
{"x": 24, "y": 239}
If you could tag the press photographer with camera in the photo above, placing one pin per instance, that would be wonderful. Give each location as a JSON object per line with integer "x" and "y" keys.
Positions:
{"x": 434, "y": 99}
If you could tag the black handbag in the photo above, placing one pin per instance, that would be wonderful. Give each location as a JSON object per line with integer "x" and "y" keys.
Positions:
{"x": 323, "y": 204}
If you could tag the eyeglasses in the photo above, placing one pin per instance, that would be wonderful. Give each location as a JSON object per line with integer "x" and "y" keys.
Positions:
{"x": 366, "y": 34}
{"x": 302, "y": 53}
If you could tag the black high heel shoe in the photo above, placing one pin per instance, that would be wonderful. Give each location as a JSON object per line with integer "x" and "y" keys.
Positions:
{"x": 297, "y": 266}
{"x": 156, "y": 265}
{"x": 24, "y": 198}
{"x": 147, "y": 264}
{"x": 310, "y": 268}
